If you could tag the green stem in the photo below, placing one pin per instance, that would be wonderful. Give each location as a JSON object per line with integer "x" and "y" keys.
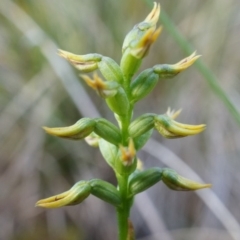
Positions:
{"x": 124, "y": 210}
{"x": 125, "y": 122}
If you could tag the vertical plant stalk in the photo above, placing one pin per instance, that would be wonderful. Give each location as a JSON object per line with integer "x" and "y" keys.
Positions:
{"x": 119, "y": 145}
{"x": 123, "y": 211}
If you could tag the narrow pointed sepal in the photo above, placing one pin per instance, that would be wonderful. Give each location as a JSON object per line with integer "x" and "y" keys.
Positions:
{"x": 75, "y": 195}
{"x": 103, "y": 88}
{"x": 84, "y": 63}
{"x": 171, "y": 70}
{"x": 169, "y": 128}
{"x": 79, "y": 130}
{"x": 179, "y": 183}
{"x": 93, "y": 61}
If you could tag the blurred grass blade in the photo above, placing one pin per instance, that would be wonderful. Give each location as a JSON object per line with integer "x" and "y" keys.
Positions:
{"x": 37, "y": 37}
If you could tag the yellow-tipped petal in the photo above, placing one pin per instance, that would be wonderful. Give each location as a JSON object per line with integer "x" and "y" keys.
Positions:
{"x": 56, "y": 201}
{"x": 140, "y": 50}
{"x": 87, "y": 58}
{"x": 96, "y": 83}
{"x": 79, "y": 130}
{"x": 192, "y": 185}
{"x": 190, "y": 127}
{"x": 186, "y": 62}
{"x": 52, "y": 199}
{"x": 85, "y": 63}
{"x": 103, "y": 89}
{"x": 75, "y": 195}
{"x": 61, "y": 131}
{"x": 90, "y": 82}
{"x": 179, "y": 183}
{"x": 169, "y": 128}
{"x": 156, "y": 34}
{"x": 185, "y": 130}
{"x": 153, "y": 16}
{"x": 164, "y": 132}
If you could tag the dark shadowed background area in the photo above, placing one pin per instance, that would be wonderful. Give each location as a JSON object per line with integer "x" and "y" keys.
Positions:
{"x": 38, "y": 88}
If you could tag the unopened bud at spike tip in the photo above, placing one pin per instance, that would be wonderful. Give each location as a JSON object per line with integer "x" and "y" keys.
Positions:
{"x": 153, "y": 16}
{"x": 138, "y": 41}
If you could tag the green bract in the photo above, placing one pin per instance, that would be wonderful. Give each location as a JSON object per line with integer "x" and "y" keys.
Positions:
{"x": 105, "y": 191}
{"x": 144, "y": 180}
{"x": 108, "y": 131}
{"x": 119, "y": 144}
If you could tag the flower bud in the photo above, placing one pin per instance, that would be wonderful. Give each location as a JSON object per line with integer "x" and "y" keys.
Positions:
{"x": 169, "y": 71}
{"x": 144, "y": 180}
{"x": 105, "y": 191}
{"x": 75, "y": 195}
{"x": 84, "y": 63}
{"x": 90, "y": 62}
{"x": 79, "y": 130}
{"x": 141, "y": 125}
{"x": 139, "y": 32}
{"x": 107, "y": 131}
{"x": 104, "y": 89}
{"x": 143, "y": 84}
{"x": 179, "y": 183}
{"x": 138, "y": 41}
{"x": 169, "y": 128}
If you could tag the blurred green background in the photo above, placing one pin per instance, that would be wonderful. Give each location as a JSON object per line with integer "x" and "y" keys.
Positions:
{"x": 38, "y": 88}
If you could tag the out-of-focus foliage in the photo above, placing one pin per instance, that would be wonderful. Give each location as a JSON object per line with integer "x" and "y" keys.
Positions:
{"x": 34, "y": 165}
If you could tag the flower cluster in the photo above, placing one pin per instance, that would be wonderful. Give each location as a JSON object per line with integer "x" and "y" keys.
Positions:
{"x": 119, "y": 144}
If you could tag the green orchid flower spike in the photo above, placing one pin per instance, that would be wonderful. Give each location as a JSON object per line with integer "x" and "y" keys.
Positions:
{"x": 119, "y": 144}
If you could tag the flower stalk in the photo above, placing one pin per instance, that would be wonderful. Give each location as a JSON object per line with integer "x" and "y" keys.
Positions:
{"x": 120, "y": 144}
